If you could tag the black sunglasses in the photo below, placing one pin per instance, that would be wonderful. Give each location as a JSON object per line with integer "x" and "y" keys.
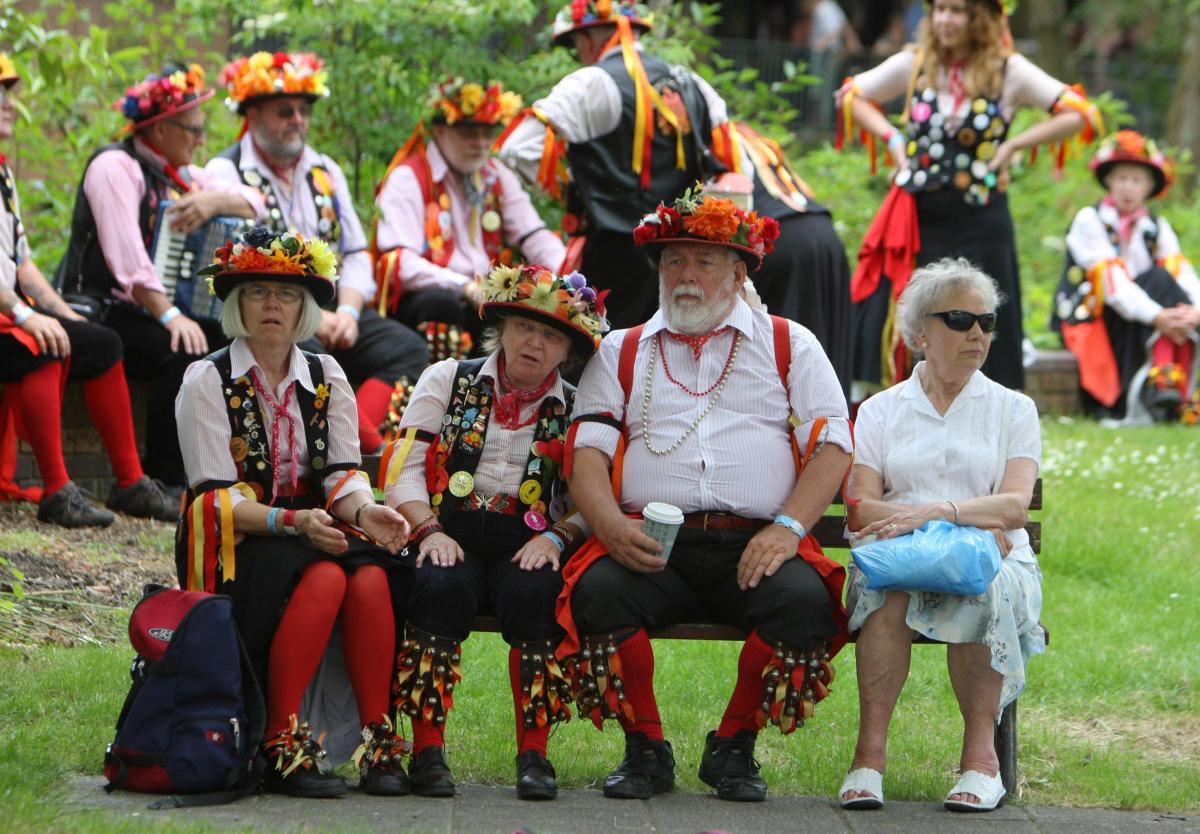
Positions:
{"x": 286, "y": 111}
{"x": 962, "y": 321}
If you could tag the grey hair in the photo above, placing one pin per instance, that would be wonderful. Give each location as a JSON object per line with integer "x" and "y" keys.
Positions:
{"x": 491, "y": 341}
{"x": 930, "y": 285}
{"x": 234, "y": 328}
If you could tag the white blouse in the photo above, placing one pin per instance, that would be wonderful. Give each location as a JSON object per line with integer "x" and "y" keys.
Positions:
{"x": 14, "y": 245}
{"x": 923, "y": 456}
{"x": 203, "y": 421}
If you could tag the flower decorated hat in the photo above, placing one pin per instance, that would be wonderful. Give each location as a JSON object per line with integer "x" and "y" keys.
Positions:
{"x": 8, "y": 71}
{"x": 1132, "y": 147}
{"x": 697, "y": 217}
{"x": 459, "y": 102}
{"x": 1004, "y": 7}
{"x": 265, "y": 75}
{"x": 565, "y": 302}
{"x": 161, "y": 95}
{"x": 583, "y": 14}
{"x": 262, "y": 255}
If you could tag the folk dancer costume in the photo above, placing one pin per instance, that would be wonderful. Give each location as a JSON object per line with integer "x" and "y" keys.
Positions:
{"x": 1121, "y": 271}
{"x": 293, "y": 448}
{"x": 439, "y": 229}
{"x": 689, "y": 421}
{"x": 112, "y": 228}
{"x": 33, "y": 381}
{"x": 946, "y": 203}
{"x": 634, "y": 131}
{"x": 807, "y": 277}
{"x": 312, "y": 198}
{"x": 487, "y": 458}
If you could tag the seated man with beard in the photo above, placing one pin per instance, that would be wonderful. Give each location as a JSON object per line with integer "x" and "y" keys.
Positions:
{"x": 719, "y": 389}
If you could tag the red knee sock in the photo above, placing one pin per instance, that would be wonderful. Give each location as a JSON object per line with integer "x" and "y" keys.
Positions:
{"x": 1162, "y": 352}
{"x": 108, "y": 401}
{"x": 637, "y": 667}
{"x": 369, "y": 641}
{"x": 41, "y": 412}
{"x": 300, "y": 641}
{"x": 1183, "y": 355}
{"x": 528, "y": 738}
{"x": 746, "y": 700}
{"x": 373, "y": 397}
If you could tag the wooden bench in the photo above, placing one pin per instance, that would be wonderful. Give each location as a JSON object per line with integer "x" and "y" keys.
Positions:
{"x": 829, "y": 532}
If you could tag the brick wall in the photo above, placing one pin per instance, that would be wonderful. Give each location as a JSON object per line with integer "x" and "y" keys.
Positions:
{"x": 1053, "y": 382}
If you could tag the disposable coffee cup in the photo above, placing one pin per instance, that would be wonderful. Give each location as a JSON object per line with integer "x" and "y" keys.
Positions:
{"x": 661, "y": 522}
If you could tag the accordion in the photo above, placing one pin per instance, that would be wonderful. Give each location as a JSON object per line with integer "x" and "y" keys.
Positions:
{"x": 177, "y": 257}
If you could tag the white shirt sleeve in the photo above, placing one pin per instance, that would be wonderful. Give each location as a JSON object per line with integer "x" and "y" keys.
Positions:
{"x": 600, "y": 392}
{"x": 582, "y": 106}
{"x": 869, "y": 432}
{"x": 1089, "y": 244}
{"x": 342, "y": 431}
{"x": 426, "y": 407}
{"x": 1028, "y": 85}
{"x": 203, "y": 424}
{"x": 1024, "y": 432}
{"x": 888, "y": 80}
{"x": 1168, "y": 244}
{"x": 814, "y": 391}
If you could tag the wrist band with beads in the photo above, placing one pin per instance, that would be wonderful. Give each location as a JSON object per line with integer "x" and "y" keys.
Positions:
{"x": 358, "y": 514}
{"x": 427, "y": 531}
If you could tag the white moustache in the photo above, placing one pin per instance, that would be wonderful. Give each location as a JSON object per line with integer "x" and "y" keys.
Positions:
{"x": 687, "y": 291}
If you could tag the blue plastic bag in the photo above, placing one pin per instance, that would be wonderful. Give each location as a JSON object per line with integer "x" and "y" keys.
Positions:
{"x": 940, "y": 557}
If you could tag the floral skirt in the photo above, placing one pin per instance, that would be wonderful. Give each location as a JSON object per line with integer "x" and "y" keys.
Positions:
{"x": 1005, "y": 619}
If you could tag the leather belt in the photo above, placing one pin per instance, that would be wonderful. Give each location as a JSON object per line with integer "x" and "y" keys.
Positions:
{"x": 721, "y": 521}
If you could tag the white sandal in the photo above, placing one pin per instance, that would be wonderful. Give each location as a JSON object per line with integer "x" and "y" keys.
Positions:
{"x": 989, "y": 789}
{"x": 862, "y": 779}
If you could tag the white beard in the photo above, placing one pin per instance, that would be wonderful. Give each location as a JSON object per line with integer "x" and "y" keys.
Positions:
{"x": 695, "y": 318}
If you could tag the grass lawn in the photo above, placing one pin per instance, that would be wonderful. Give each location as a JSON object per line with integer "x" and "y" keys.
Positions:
{"x": 1111, "y": 716}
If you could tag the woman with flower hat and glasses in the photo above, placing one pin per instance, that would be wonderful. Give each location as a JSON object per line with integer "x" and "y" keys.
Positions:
{"x": 278, "y": 516}
{"x": 962, "y": 85}
{"x": 1128, "y": 305}
{"x": 477, "y": 471}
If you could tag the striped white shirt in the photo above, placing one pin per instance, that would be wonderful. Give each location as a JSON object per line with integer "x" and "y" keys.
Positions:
{"x": 739, "y": 459}
{"x": 203, "y": 421}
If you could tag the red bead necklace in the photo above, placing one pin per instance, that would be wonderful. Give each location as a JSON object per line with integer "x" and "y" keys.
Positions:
{"x": 728, "y": 361}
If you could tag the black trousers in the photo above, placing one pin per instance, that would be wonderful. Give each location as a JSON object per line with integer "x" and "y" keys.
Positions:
{"x": 385, "y": 350}
{"x": 700, "y": 581}
{"x": 419, "y": 306}
{"x": 612, "y": 261}
{"x": 445, "y": 600}
{"x": 94, "y": 349}
{"x": 148, "y": 357}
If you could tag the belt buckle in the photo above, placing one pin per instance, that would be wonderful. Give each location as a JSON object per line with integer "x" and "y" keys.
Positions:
{"x": 704, "y": 527}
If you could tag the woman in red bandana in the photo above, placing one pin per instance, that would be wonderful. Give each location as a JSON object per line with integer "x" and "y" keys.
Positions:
{"x": 477, "y": 471}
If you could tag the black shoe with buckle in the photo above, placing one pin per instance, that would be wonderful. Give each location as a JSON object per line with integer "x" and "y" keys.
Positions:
{"x": 68, "y": 508}
{"x": 648, "y": 768}
{"x": 385, "y": 780}
{"x": 429, "y": 775}
{"x": 729, "y": 766}
{"x": 535, "y": 776}
{"x": 145, "y": 498}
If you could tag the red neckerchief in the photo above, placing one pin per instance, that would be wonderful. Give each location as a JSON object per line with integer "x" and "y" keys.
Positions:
{"x": 1126, "y": 222}
{"x": 955, "y": 79}
{"x": 281, "y": 412}
{"x": 696, "y": 343}
{"x": 507, "y": 406}
{"x": 168, "y": 169}
{"x": 283, "y": 172}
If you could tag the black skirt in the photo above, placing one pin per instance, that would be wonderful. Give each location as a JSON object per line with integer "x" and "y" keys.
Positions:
{"x": 950, "y": 228}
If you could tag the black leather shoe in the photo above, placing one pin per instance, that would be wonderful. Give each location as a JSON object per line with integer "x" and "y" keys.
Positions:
{"x": 385, "y": 781}
{"x": 729, "y": 766}
{"x": 429, "y": 775}
{"x": 535, "y": 776}
{"x": 306, "y": 782}
{"x": 68, "y": 508}
{"x": 648, "y": 768}
{"x": 145, "y": 498}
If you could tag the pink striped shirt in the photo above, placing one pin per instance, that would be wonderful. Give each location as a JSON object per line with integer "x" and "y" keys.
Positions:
{"x": 739, "y": 459}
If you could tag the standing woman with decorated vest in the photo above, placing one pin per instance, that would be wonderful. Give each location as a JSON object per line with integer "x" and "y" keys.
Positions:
{"x": 477, "y": 471}
{"x": 278, "y": 516}
{"x": 963, "y": 84}
{"x": 449, "y": 213}
{"x": 305, "y": 192}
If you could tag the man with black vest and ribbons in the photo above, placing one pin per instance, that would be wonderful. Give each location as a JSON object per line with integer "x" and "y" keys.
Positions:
{"x": 477, "y": 471}
{"x": 113, "y": 227}
{"x": 305, "y": 192}
{"x": 449, "y": 212}
{"x": 684, "y": 410}
{"x": 636, "y": 131}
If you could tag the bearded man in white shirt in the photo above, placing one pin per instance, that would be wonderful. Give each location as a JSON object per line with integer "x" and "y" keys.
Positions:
{"x": 725, "y": 400}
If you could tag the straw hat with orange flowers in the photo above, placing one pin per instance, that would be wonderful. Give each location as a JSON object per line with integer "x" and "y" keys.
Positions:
{"x": 159, "y": 95}
{"x": 265, "y": 75}
{"x": 583, "y": 14}
{"x": 1129, "y": 146}
{"x": 699, "y": 218}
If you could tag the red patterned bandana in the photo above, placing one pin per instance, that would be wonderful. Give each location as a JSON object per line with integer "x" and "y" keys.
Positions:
{"x": 507, "y": 406}
{"x": 696, "y": 343}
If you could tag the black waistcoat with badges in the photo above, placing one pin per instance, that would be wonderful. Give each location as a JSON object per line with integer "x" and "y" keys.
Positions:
{"x": 940, "y": 157}
{"x": 609, "y": 189}
{"x": 464, "y": 432}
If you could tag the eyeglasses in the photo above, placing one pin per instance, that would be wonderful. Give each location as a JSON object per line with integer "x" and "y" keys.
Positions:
{"x": 197, "y": 132}
{"x": 962, "y": 321}
{"x": 6, "y": 95}
{"x": 286, "y": 111}
{"x": 285, "y": 295}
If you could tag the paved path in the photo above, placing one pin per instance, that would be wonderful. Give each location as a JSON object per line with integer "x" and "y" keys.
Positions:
{"x": 494, "y": 810}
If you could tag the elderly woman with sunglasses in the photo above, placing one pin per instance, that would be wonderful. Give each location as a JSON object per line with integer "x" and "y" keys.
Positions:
{"x": 935, "y": 447}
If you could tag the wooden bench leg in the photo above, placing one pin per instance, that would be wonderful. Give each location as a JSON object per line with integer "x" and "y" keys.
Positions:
{"x": 1006, "y": 747}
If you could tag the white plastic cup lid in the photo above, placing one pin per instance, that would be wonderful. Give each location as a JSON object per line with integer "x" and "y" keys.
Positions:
{"x": 663, "y": 513}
